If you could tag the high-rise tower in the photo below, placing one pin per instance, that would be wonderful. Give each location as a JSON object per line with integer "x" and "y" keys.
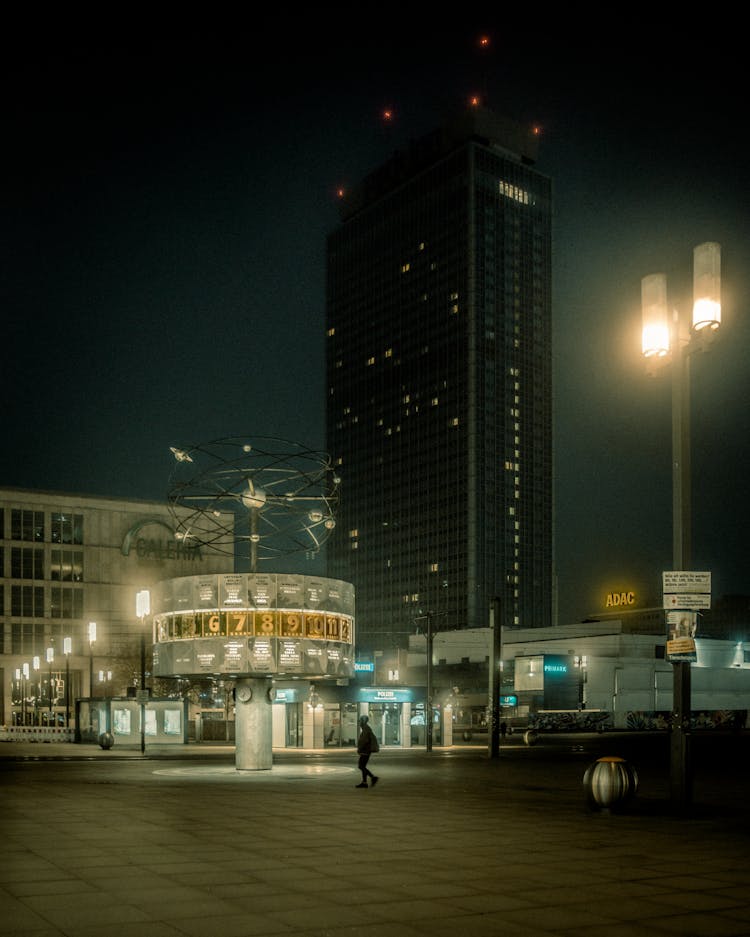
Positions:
{"x": 439, "y": 410}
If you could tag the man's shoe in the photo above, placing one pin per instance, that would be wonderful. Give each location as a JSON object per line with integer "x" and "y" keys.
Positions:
{"x": 363, "y": 784}
{"x": 375, "y": 781}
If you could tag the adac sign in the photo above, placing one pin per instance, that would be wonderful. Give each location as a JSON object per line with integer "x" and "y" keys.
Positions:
{"x": 619, "y": 599}
{"x": 157, "y": 547}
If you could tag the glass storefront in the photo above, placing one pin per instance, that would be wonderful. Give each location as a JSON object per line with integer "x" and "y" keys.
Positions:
{"x": 385, "y": 721}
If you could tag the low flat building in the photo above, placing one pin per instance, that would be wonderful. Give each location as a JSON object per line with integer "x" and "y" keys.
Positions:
{"x": 595, "y": 666}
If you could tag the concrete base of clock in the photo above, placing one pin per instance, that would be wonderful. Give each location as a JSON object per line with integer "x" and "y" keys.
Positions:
{"x": 254, "y": 724}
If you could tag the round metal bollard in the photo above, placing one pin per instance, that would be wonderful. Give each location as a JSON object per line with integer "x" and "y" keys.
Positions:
{"x": 610, "y": 782}
{"x": 106, "y": 740}
{"x": 531, "y": 737}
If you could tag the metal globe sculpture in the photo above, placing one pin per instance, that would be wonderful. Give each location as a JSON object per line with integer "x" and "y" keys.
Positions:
{"x": 271, "y": 496}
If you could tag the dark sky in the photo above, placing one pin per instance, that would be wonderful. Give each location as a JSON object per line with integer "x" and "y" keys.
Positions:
{"x": 165, "y": 209}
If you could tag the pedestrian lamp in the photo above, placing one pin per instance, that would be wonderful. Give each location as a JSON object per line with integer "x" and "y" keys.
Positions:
{"x": 143, "y": 608}
{"x": 25, "y": 690}
{"x": 18, "y": 691}
{"x": 92, "y": 639}
{"x": 50, "y": 658}
{"x": 36, "y": 664}
{"x": 67, "y": 649}
{"x": 672, "y": 337}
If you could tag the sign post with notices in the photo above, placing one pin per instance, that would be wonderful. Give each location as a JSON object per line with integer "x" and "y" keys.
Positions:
{"x": 685, "y": 593}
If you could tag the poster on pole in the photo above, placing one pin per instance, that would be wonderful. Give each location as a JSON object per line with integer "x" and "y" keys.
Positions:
{"x": 686, "y": 589}
{"x": 682, "y": 626}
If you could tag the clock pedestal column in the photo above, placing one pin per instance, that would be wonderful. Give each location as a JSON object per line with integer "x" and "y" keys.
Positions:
{"x": 253, "y": 726}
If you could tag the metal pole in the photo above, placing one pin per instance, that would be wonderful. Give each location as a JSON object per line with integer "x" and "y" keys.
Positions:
{"x": 143, "y": 690}
{"x": 680, "y": 766}
{"x": 67, "y": 691}
{"x": 253, "y": 540}
{"x": 494, "y": 688}
{"x": 428, "y": 703}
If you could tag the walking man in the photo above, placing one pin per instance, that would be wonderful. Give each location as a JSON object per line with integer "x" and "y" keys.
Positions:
{"x": 367, "y": 744}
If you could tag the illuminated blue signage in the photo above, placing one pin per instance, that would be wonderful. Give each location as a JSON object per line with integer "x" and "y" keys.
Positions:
{"x": 508, "y": 700}
{"x": 364, "y": 666}
{"x": 555, "y": 666}
{"x": 372, "y": 694}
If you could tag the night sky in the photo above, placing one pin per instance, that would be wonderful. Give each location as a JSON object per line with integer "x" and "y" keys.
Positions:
{"x": 165, "y": 210}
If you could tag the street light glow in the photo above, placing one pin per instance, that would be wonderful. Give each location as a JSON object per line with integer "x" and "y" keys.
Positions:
{"x": 143, "y": 603}
{"x": 655, "y": 336}
{"x": 707, "y": 286}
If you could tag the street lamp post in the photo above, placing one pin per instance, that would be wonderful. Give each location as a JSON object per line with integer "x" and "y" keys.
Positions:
{"x": 67, "y": 648}
{"x": 20, "y": 690}
{"x": 496, "y": 659}
{"x": 25, "y": 690}
{"x": 143, "y": 608}
{"x": 36, "y": 664}
{"x": 670, "y": 337}
{"x": 92, "y": 640}
{"x": 428, "y": 722}
{"x": 50, "y": 658}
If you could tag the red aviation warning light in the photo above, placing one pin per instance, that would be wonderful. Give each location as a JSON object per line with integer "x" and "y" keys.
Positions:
{"x": 387, "y": 114}
{"x": 475, "y": 100}
{"x": 483, "y": 42}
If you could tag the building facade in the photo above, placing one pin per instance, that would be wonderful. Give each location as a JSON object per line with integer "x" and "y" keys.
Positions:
{"x": 601, "y": 670}
{"x": 439, "y": 413}
{"x": 67, "y": 561}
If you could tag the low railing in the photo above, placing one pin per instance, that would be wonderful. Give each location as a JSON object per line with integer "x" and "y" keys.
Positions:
{"x": 36, "y": 734}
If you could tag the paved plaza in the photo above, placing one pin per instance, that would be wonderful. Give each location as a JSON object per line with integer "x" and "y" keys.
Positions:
{"x": 114, "y": 844}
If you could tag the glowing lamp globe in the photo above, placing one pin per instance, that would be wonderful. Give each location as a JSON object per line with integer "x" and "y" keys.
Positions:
{"x": 707, "y": 286}
{"x": 655, "y": 336}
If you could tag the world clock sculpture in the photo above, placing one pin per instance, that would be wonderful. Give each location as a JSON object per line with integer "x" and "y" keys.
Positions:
{"x": 257, "y": 501}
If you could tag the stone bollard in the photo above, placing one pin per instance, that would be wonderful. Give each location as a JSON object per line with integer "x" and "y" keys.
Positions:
{"x": 610, "y": 782}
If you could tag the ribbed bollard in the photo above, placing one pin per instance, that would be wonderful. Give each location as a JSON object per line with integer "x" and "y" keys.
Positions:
{"x": 610, "y": 782}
